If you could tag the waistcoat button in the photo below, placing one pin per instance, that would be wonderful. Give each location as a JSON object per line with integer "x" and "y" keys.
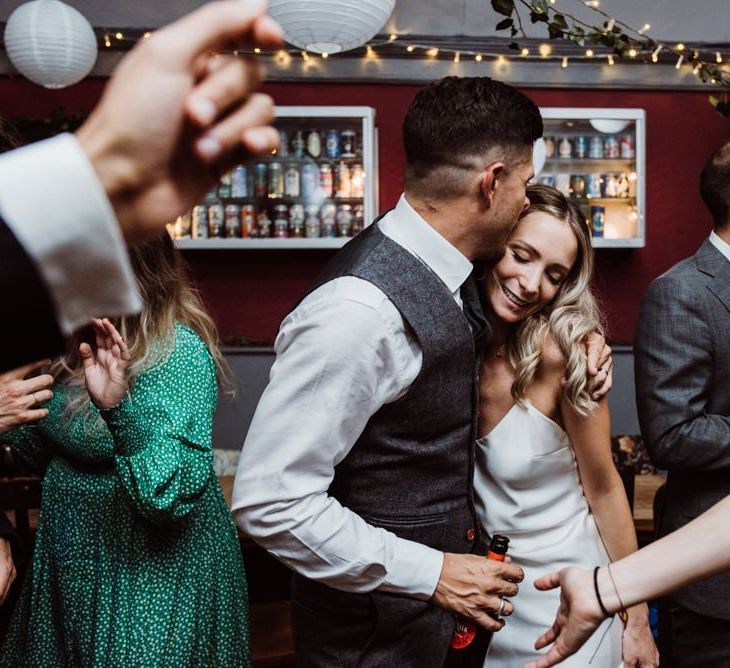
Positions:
{"x": 470, "y": 534}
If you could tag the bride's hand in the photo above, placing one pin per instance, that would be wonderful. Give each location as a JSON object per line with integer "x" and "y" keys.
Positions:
{"x": 639, "y": 649}
{"x": 105, "y": 368}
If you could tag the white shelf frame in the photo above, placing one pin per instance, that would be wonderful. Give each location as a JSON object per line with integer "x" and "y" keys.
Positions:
{"x": 370, "y": 201}
{"x": 631, "y": 114}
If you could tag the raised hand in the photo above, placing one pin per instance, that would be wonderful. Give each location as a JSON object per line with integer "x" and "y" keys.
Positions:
{"x": 21, "y": 397}
{"x": 578, "y": 616}
{"x": 175, "y": 116}
{"x": 7, "y": 568}
{"x": 105, "y": 367}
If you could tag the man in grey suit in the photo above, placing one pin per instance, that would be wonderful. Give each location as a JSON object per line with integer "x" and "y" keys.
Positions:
{"x": 682, "y": 348}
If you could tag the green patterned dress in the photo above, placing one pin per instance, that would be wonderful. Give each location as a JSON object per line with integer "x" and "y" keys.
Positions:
{"x": 136, "y": 561}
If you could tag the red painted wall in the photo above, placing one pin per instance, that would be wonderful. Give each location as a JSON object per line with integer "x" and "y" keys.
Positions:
{"x": 250, "y": 291}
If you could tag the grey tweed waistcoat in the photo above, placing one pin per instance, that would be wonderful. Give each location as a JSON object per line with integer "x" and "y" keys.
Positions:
{"x": 410, "y": 472}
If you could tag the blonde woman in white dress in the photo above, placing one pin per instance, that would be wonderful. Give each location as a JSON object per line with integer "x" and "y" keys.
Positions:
{"x": 544, "y": 473}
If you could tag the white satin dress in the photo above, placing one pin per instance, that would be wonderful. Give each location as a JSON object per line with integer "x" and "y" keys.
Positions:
{"x": 527, "y": 487}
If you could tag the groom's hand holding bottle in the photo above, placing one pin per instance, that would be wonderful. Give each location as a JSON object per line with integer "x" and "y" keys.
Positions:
{"x": 474, "y": 586}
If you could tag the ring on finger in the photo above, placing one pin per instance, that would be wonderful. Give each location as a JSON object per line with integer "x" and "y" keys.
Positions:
{"x": 34, "y": 399}
{"x": 502, "y": 603}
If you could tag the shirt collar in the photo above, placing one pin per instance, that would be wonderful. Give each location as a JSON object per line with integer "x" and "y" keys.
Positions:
{"x": 404, "y": 226}
{"x": 720, "y": 244}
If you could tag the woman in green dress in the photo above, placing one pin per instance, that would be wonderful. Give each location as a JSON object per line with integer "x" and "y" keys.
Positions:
{"x": 136, "y": 560}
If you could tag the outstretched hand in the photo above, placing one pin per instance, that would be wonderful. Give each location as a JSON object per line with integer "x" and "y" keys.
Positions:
{"x": 105, "y": 367}
{"x": 577, "y": 618}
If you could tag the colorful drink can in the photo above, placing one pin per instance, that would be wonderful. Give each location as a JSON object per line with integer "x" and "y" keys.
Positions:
{"x": 314, "y": 144}
{"x": 312, "y": 225}
{"x": 562, "y": 183}
{"x": 239, "y": 181}
{"x": 296, "y": 220}
{"x": 310, "y": 180}
{"x": 224, "y": 186}
{"x": 593, "y": 185}
{"x": 628, "y": 149}
{"x": 580, "y": 147}
{"x": 565, "y": 148}
{"x": 344, "y": 220}
{"x": 332, "y": 144}
{"x": 358, "y": 219}
{"x": 283, "y": 150}
{"x": 261, "y": 188}
{"x": 348, "y": 143}
{"x": 248, "y": 221}
{"x": 611, "y": 148}
{"x": 577, "y": 186}
{"x": 292, "y": 181}
{"x": 343, "y": 188}
{"x": 216, "y": 220}
{"x": 200, "y": 222}
{"x": 548, "y": 180}
{"x": 281, "y": 221}
{"x": 598, "y": 220}
{"x": 298, "y": 144}
{"x": 595, "y": 148}
{"x": 276, "y": 180}
{"x": 326, "y": 179}
{"x": 232, "y": 225}
{"x": 328, "y": 216}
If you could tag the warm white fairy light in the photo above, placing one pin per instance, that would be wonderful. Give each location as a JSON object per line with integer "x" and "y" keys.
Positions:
{"x": 370, "y": 52}
{"x": 564, "y": 63}
{"x": 107, "y": 41}
{"x": 525, "y": 52}
{"x": 593, "y": 3}
{"x": 457, "y": 57}
{"x": 326, "y": 55}
{"x": 632, "y": 53}
{"x": 610, "y": 25}
{"x": 432, "y": 52}
{"x": 545, "y": 50}
{"x": 257, "y": 50}
{"x": 478, "y": 57}
{"x": 718, "y": 57}
{"x": 501, "y": 60}
{"x": 655, "y": 54}
{"x": 589, "y": 53}
{"x": 644, "y": 28}
{"x": 680, "y": 47}
{"x": 392, "y": 37}
{"x": 679, "y": 62}
{"x": 410, "y": 48}
{"x": 147, "y": 35}
{"x": 305, "y": 56}
{"x": 610, "y": 59}
{"x": 696, "y": 68}
{"x": 119, "y": 36}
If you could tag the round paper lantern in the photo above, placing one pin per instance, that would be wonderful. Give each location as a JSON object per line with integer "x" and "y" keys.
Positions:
{"x": 50, "y": 43}
{"x": 330, "y": 26}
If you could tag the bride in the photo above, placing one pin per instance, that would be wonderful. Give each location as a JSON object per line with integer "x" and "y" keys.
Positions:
{"x": 544, "y": 474}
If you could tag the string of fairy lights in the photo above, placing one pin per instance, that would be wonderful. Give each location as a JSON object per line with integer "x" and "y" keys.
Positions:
{"x": 562, "y": 52}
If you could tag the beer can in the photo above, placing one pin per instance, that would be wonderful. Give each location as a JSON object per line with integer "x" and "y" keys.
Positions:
{"x": 357, "y": 181}
{"x": 611, "y": 148}
{"x": 593, "y": 185}
{"x": 309, "y": 180}
{"x": 216, "y": 220}
{"x": 598, "y": 220}
{"x": 276, "y": 180}
{"x": 296, "y": 220}
{"x": 332, "y": 144}
{"x": 348, "y": 143}
{"x": 595, "y": 148}
{"x": 609, "y": 185}
{"x": 314, "y": 144}
{"x": 248, "y": 221}
{"x": 224, "y": 186}
{"x": 261, "y": 187}
{"x": 580, "y": 147}
{"x": 232, "y": 223}
{"x": 344, "y": 220}
{"x": 565, "y": 148}
{"x": 263, "y": 224}
{"x": 577, "y": 186}
{"x": 326, "y": 179}
{"x": 298, "y": 144}
{"x": 628, "y": 149}
{"x": 239, "y": 181}
{"x": 312, "y": 224}
{"x": 343, "y": 189}
{"x": 328, "y": 217}
{"x": 200, "y": 222}
{"x": 292, "y": 185}
{"x": 549, "y": 147}
{"x": 358, "y": 219}
{"x": 562, "y": 183}
{"x": 281, "y": 221}
{"x": 283, "y": 150}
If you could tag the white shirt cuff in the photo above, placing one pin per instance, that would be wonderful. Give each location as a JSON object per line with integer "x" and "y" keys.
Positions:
{"x": 55, "y": 205}
{"x": 414, "y": 570}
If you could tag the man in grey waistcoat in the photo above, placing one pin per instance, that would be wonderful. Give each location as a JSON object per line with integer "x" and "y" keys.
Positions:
{"x": 683, "y": 395}
{"x": 357, "y": 469}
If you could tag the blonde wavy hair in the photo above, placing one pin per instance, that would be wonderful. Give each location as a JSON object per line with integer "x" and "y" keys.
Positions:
{"x": 168, "y": 298}
{"x": 568, "y": 318}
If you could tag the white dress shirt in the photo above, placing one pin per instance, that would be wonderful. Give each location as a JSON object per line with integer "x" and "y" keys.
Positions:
{"x": 53, "y": 202}
{"x": 720, "y": 244}
{"x": 344, "y": 352}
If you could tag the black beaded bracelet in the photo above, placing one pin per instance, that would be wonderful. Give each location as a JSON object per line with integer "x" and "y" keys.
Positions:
{"x": 605, "y": 612}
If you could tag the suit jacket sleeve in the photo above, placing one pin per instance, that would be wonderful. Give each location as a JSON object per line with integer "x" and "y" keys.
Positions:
{"x": 32, "y": 331}
{"x": 674, "y": 380}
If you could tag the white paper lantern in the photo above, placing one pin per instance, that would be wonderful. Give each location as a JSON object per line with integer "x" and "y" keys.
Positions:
{"x": 50, "y": 43}
{"x": 330, "y": 26}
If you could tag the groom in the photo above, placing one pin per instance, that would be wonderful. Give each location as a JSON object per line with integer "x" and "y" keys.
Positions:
{"x": 357, "y": 468}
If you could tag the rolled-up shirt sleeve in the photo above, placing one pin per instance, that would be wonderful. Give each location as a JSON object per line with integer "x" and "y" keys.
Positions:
{"x": 338, "y": 361}
{"x": 54, "y": 203}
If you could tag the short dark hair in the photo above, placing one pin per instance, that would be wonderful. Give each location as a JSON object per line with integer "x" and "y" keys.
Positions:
{"x": 457, "y": 118}
{"x": 715, "y": 185}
